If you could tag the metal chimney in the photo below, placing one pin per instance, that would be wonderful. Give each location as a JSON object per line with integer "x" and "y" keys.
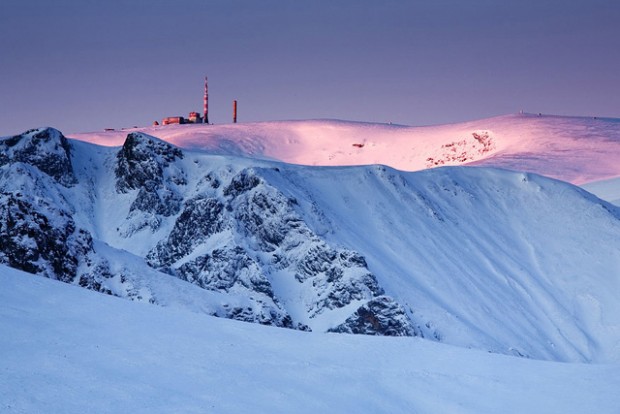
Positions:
{"x": 206, "y": 103}
{"x": 235, "y": 111}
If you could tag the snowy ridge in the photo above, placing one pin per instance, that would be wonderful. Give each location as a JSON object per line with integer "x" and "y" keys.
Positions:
{"x": 506, "y": 262}
{"x": 573, "y": 149}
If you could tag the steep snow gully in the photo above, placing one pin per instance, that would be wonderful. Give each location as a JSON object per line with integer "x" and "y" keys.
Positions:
{"x": 506, "y": 262}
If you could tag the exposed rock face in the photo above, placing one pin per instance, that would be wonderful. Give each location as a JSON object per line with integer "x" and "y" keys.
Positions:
{"x": 227, "y": 266}
{"x": 201, "y": 218}
{"x": 340, "y": 276}
{"x": 380, "y": 316}
{"x": 248, "y": 232}
{"x": 147, "y": 164}
{"x": 266, "y": 218}
{"x": 39, "y": 235}
{"x": 40, "y": 238}
{"x": 44, "y": 148}
{"x": 142, "y": 160}
{"x": 467, "y": 149}
{"x": 228, "y": 269}
{"x": 232, "y": 270}
{"x": 37, "y": 230}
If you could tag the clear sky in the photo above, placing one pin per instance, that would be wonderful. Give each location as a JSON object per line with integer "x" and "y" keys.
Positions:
{"x": 89, "y": 64}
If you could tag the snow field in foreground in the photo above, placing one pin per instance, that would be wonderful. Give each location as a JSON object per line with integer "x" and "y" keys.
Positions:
{"x": 65, "y": 349}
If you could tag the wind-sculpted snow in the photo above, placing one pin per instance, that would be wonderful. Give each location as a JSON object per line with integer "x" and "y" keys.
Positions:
{"x": 507, "y": 262}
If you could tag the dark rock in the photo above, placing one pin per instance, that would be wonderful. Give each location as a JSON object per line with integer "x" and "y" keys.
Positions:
{"x": 40, "y": 238}
{"x": 241, "y": 183}
{"x": 96, "y": 279}
{"x": 318, "y": 259}
{"x": 212, "y": 180}
{"x": 201, "y": 218}
{"x": 268, "y": 220}
{"x": 265, "y": 215}
{"x": 379, "y": 316}
{"x": 141, "y": 160}
{"x": 45, "y": 148}
{"x": 253, "y": 315}
{"x": 158, "y": 201}
{"x": 145, "y": 163}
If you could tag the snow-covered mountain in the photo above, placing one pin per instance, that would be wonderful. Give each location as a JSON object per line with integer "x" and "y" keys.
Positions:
{"x": 573, "y": 149}
{"x": 506, "y": 262}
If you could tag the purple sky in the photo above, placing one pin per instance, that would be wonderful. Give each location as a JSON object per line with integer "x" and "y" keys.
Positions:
{"x": 89, "y": 64}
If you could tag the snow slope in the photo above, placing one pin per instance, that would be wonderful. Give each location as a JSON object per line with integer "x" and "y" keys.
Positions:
{"x": 493, "y": 255}
{"x": 68, "y": 350}
{"x": 608, "y": 190}
{"x": 573, "y": 149}
{"x": 506, "y": 262}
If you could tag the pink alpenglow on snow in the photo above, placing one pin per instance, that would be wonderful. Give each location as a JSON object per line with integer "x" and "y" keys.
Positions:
{"x": 573, "y": 149}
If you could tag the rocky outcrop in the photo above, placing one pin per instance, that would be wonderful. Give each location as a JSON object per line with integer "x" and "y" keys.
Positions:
{"x": 47, "y": 149}
{"x": 247, "y": 232}
{"x": 379, "y": 316}
{"x": 201, "y": 218}
{"x": 467, "y": 149}
{"x": 339, "y": 277}
{"x": 40, "y": 238}
{"x": 266, "y": 218}
{"x": 226, "y": 267}
{"x": 143, "y": 160}
{"x": 147, "y": 164}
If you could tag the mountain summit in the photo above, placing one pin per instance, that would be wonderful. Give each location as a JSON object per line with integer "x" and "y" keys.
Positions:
{"x": 573, "y": 149}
